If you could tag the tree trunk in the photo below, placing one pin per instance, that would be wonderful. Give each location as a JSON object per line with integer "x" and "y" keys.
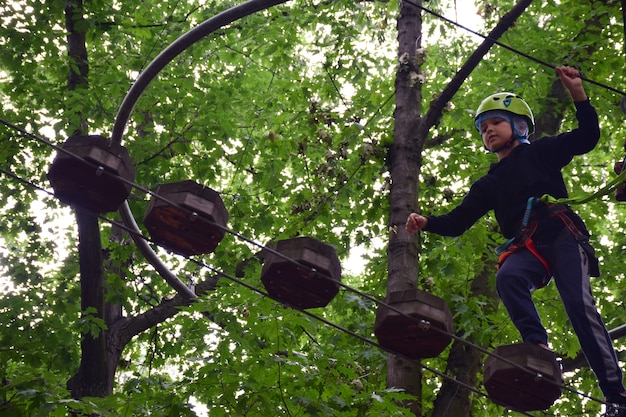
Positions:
{"x": 92, "y": 378}
{"x": 405, "y": 162}
{"x": 101, "y": 352}
{"x": 77, "y": 57}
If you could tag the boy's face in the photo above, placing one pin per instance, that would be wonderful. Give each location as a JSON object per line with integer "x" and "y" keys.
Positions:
{"x": 496, "y": 132}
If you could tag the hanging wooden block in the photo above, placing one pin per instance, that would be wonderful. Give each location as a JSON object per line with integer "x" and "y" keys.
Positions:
{"x": 187, "y": 219}
{"x": 620, "y": 192}
{"x": 518, "y": 389}
{"x": 311, "y": 285}
{"x": 415, "y": 330}
{"x": 87, "y": 183}
{"x": 618, "y": 167}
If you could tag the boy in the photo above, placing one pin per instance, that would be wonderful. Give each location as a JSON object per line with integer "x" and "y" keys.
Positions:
{"x": 544, "y": 241}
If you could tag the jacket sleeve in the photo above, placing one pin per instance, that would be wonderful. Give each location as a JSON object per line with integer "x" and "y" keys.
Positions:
{"x": 475, "y": 205}
{"x": 562, "y": 148}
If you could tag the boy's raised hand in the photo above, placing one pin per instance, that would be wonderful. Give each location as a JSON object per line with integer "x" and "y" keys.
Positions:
{"x": 570, "y": 77}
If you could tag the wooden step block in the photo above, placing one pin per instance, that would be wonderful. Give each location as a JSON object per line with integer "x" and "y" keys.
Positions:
{"x": 189, "y": 220}
{"x": 417, "y": 335}
{"x": 517, "y": 389}
{"x": 87, "y": 183}
{"x": 314, "y": 284}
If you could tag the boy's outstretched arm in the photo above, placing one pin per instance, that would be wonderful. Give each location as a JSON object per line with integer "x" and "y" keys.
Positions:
{"x": 570, "y": 77}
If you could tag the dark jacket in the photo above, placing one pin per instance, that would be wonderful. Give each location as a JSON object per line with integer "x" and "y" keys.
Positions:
{"x": 530, "y": 170}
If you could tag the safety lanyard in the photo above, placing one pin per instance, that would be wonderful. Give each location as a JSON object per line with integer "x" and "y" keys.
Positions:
{"x": 581, "y": 198}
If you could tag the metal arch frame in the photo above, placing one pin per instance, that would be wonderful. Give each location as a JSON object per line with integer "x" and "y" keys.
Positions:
{"x": 134, "y": 93}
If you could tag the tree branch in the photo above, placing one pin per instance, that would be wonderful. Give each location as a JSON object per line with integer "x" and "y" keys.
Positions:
{"x": 438, "y": 104}
{"x": 123, "y": 330}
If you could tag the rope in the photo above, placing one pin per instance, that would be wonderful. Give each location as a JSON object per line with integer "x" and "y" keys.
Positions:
{"x": 509, "y": 48}
{"x": 579, "y": 198}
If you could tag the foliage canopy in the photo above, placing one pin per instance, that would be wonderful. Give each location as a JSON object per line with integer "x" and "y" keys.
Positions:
{"x": 289, "y": 115}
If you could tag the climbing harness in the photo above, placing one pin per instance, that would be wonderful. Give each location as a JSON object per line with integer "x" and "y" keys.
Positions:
{"x": 523, "y": 239}
{"x": 555, "y": 209}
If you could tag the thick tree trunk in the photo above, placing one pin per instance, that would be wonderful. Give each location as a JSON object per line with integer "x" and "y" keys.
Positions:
{"x": 92, "y": 379}
{"x": 404, "y": 160}
{"x": 77, "y": 57}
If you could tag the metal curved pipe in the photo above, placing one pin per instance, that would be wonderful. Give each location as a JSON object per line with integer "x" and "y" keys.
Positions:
{"x": 151, "y": 256}
{"x": 174, "y": 49}
{"x": 137, "y": 89}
